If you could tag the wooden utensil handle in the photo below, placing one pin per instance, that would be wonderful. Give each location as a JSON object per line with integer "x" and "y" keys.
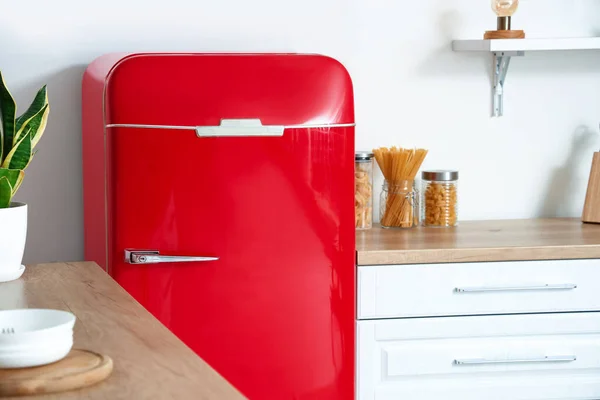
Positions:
{"x": 591, "y": 209}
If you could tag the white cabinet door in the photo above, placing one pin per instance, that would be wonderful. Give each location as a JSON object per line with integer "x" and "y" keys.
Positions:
{"x": 398, "y": 291}
{"x": 512, "y": 357}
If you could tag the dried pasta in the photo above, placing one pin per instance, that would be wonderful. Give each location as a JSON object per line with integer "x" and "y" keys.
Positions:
{"x": 399, "y": 167}
{"x": 363, "y": 192}
{"x": 440, "y": 208}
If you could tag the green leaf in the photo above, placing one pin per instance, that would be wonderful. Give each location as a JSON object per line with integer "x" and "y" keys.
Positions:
{"x": 33, "y": 153}
{"x": 35, "y": 126}
{"x": 17, "y": 185}
{"x": 41, "y": 128}
{"x": 8, "y": 108}
{"x": 19, "y": 156}
{"x": 40, "y": 100}
{"x": 13, "y": 176}
{"x": 1, "y": 136}
{"x": 5, "y": 192}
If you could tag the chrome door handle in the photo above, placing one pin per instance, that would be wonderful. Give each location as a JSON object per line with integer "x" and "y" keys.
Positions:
{"x": 240, "y": 128}
{"x": 154, "y": 257}
{"x": 562, "y": 286}
{"x": 546, "y": 359}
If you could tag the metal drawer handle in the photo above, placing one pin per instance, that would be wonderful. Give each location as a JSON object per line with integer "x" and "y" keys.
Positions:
{"x": 546, "y": 359}
{"x": 562, "y": 286}
{"x": 154, "y": 257}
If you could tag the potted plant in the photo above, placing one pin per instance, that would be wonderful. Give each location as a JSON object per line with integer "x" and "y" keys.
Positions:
{"x": 18, "y": 137}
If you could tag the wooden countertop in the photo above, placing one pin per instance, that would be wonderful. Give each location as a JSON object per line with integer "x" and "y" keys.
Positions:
{"x": 149, "y": 361}
{"x": 502, "y": 240}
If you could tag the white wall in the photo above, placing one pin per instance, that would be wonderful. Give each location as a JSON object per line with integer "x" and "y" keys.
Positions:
{"x": 410, "y": 89}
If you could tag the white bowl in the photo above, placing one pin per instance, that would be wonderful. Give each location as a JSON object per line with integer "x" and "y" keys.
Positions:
{"x": 40, "y": 337}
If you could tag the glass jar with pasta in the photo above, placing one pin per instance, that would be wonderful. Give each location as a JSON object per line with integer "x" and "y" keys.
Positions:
{"x": 399, "y": 205}
{"x": 440, "y": 198}
{"x": 363, "y": 190}
{"x": 399, "y": 201}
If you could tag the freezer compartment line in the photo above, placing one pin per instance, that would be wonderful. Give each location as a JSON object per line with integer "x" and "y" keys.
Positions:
{"x": 194, "y": 128}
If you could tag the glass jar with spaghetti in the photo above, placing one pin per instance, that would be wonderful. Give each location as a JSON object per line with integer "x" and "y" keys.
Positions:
{"x": 440, "y": 198}
{"x": 399, "y": 201}
{"x": 363, "y": 190}
{"x": 399, "y": 204}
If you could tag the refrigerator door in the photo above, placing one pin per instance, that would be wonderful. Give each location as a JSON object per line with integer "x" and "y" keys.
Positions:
{"x": 234, "y": 225}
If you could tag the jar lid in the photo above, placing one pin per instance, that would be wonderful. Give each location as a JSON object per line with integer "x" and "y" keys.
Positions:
{"x": 363, "y": 156}
{"x": 440, "y": 175}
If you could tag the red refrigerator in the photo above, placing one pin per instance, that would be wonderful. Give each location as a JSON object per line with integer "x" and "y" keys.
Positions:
{"x": 218, "y": 191}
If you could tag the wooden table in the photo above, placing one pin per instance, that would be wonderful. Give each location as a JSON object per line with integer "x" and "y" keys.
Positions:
{"x": 501, "y": 240}
{"x": 149, "y": 361}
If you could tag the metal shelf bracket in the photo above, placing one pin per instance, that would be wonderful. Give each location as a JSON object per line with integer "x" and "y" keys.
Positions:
{"x": 501, "y": 64}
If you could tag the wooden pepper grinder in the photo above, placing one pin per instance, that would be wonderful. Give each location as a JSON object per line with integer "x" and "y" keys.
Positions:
{"x": 591, "y": 209}
{"x": 504, "y": 9}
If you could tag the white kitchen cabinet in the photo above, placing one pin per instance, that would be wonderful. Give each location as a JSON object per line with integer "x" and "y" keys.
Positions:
{"x": 489, "y": 310}
{"x": 504, "y": 357}
{"x": 394, "y": 291}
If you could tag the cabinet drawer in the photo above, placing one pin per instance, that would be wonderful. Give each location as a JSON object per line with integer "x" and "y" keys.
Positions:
{"x": 508, "y": 357}
{"x": 478, "y": 288}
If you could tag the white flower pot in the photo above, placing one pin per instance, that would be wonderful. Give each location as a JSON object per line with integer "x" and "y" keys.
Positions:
{"x": 13, "y": 234}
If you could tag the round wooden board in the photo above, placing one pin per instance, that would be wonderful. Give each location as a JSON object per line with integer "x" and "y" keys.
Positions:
{"x": 79, "y": 369}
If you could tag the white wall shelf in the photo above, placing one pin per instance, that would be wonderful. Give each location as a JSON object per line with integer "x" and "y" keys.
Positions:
{"x": 498, "y": 45}
{"x": 504, "y": 49}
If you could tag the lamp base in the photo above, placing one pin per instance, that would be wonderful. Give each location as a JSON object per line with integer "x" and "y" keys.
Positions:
{"x": 504, "y": 34}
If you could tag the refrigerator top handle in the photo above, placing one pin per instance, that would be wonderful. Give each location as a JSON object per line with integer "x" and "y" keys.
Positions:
{"x": 240, "y": 127}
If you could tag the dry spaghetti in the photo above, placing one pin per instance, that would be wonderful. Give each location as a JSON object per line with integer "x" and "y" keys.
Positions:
{"x": 399, "y": 167}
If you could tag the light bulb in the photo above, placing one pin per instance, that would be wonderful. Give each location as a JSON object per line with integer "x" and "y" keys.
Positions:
{"x": 505, "y": 8}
